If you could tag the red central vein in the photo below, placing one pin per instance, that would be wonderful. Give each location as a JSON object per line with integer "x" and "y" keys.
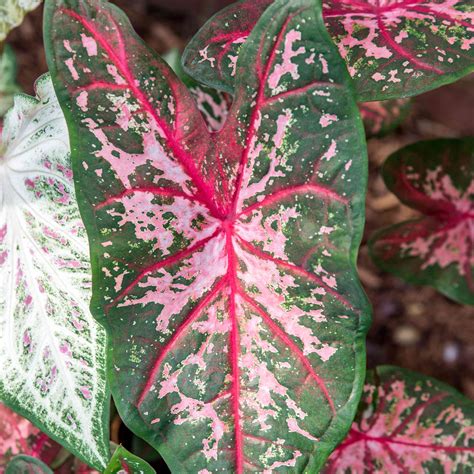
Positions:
{"x": 276, "y": 330}
{"x": 161, "y": 264}
{"x": 178, "y": 333}
{"x": 234, "y": 349}
{"x": 290, "y": 191}
{"x": 293, "y": 268}
{"x": 184, "y": 159}
{"x": 255, "y": 112}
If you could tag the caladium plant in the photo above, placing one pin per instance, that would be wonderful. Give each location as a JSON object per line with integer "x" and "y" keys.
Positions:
{"x": 52, "y": 351}
{"x": 436, "y": 178}
{"x": 224, "y": 263}
{"x": 12, "y": 13}
{"x": 408, "y": 423}
{"x": 19, "y": 436}
{"x": 393, "y": 48}
{"x": 8, "y": 85}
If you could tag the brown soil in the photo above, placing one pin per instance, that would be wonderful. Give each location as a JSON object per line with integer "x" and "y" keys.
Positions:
{"x": 414, "y": 327}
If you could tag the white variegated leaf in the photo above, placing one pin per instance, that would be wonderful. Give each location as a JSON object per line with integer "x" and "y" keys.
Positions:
{"x": 52, "y": 352}
{"x": 12, "y": 13}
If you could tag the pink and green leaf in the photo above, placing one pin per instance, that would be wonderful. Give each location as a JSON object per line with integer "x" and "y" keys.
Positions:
{"x": 123, "y": 462}
{"x": 393, "y": 49}
{"x": 27, "y": 465}
{"x": 213, "y": 104}
{"x": 407, "y": 423}
{"x": 382, "y": 117}
{"x": 19, "y": 436}
{"x": 437, "y": 179}
{"x": 224, "y": 262}
{"x": 402, "y": 48}
{"x": 52, "y": 351}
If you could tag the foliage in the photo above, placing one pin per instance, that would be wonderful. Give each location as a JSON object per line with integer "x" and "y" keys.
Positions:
{"x": 27, "y": 465}
{"x": 19, "y": 436}
{"x": 223, "y": 263}
{"x": 123, "y": 461}
{"x": 52, "y": 352}
{"x": 436, "y": 178}
{"x": 8, "y": 86}
{"x": 223, "y": 231}
{"x": 407, "y": 423}
{"x": 12, "y": 13}
{"x": 392, "y": 49}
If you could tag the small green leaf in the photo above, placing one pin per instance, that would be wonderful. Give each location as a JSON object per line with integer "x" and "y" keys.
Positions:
{"x": 8, "y": 85}
{"x": 27, "y": 465}
{"x": 436, "y": 178}
{"x": 407, "y": 423}
{"x": 12, "y": 13}
{"x": 124, "y": 462}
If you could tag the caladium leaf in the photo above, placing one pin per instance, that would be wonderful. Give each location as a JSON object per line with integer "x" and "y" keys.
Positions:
{"x": 124, "y": 462}
{"x": 382, "y": 117}
{"x": 392, "y": 49}
{"x": 52, "y": 351}
{"x": 27, "y": 465}
{"x": 407, "y": 423}
{"x": 8, "y": 85}
{"x": 224, "y": 263}
{"x": 213, "y": 104}
{"x": 19, "y": 436}
{"x": 400, "y": 49}
{"x": 436, "y": 178}
{"x": 12, "y": 13}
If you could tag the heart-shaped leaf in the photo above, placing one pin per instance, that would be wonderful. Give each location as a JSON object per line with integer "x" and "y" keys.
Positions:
{"x": 382, "y": 117}
{"x": 407, "y": 423}
{"x": 124, "y": 462}
{"x": 12, "y": 13}
{"x": 224, "y": 263}
{"x": 436, "y": 178}
{"x": 27, "y": 465}
{"x": 52, "y": 351}
{"x": 392, "y": 49}
{"x": 19, "y": 436}
{"x": 8, "y": 85}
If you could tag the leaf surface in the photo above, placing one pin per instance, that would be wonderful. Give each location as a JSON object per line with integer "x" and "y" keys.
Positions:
{"x": 437, "y": 179}
{"x": 52, "y": 350}
{"x": 12, "y": 13}
{"x": 393, "y": 49}
{"x": 124, "y": 462}
{"x": 407, "y": 423}
{"x": 8, "y": 85}
{"x": 19, "y": 436}
{"x": 27, "y": 465}
{"x": 224, "y": 263}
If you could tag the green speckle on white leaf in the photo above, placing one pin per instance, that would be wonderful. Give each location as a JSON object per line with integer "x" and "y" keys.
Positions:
{"x": 52, "y": 352}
